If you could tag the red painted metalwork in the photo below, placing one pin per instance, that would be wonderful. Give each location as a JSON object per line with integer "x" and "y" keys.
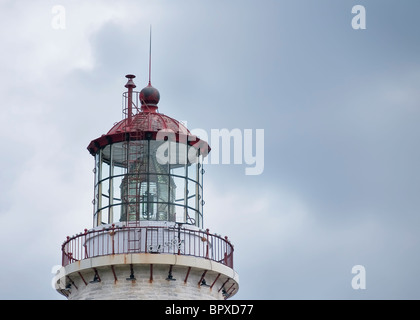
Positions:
{"x": 215, "y": 280}
{"x": 188, "y": 273}
{"x": 231, "y": 292}
{"x": 130, "y": 86}
{"x": 146, "y": 122}
{"x": 97, "y": 275}
{"x": 228, "y": 294}
{"x": 149, "y": 98}
{"x": 230, "y": 288}
{"x": 207, "y": 243}
{"x": 81, "y": 277}
{"x": 170, "y": 273}
{"x": 151, "y": 273}
{"x": 112, "y": 234}
{"x": 72, "y": 283}
{"x": 202, "y": 277}
{"x": 113, "y": 272}
{"x": 64, "y": 292}
{"x": 101, "y": 243}
{"x": 223, "y": 285}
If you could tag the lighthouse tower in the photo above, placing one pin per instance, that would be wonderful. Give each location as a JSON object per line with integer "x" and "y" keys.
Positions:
{"x": 148, "y": 240}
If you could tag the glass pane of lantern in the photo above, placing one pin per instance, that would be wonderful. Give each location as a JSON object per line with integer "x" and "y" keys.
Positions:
{"x": 179, "y": 190}
{"x": 118, "y": 170}
{"x": 104, "y": 171}
{"x": 106, "y": 154}
{"x": 105, "y": 193}
{"x": 192, "y": 154}
{"x": 97, "y": 166}
{"x": 119, "y": 156}
{"x": 116, "y": 209}
{"x": 95, "y": 199}
{"x": 162, "y": 198}
{"x": 201, "y": 200}
{"x": 148, "y": 205}
{"x": 178, "y": 170}
{"x": 116, "y": 189}
{"x": 167, "y": 153}
{"x": 179, "y": 197}
{"x": 191, "y": 193}
{"x": 159, "y": 153}
{"x": 180, "y": 213}
{"x": 182, "y": 154}
{"x": 200, "y": 169}
{"x": 192, "y": 171}
{"x": 99, "y": 197}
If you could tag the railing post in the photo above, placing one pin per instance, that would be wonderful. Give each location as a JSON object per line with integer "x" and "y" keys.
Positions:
{"x": 112, "y": 234}
{"x": 179, "y": 239}
{"x": 85, "y": 245}
{"x": 226, "y": 249}
{"x": 207, "y": 244}
{"x": 145, "y": 243}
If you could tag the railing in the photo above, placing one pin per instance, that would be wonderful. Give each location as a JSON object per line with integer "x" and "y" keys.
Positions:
{"x": 147, "y": 239}
{"x": 135, "y": 103}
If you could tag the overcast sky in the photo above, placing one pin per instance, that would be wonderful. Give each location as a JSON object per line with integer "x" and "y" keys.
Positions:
{"x": 340, "y": 110}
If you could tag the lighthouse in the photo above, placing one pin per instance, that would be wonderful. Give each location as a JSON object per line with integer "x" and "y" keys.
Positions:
{"x": 148, "y": 240}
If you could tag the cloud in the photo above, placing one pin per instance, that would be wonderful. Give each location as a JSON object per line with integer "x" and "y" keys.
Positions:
{"x": 339, "y": 110}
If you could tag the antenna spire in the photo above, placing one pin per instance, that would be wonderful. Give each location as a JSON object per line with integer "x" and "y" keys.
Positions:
{"x": 150, "y": 56}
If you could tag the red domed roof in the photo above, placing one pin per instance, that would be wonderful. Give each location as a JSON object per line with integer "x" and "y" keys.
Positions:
{"x": 148, "y": 124}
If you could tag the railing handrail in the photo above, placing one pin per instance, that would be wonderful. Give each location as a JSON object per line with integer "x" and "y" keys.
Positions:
{"x": 113, "y": 239}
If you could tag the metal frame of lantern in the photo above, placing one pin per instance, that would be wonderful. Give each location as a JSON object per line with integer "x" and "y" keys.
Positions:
{"x": 168, "y": 192}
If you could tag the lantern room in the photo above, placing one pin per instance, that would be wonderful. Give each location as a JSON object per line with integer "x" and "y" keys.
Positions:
{"x": 148, "y": 167}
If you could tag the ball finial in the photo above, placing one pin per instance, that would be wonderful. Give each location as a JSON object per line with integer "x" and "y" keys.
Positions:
{"x": 149, "y": 97}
